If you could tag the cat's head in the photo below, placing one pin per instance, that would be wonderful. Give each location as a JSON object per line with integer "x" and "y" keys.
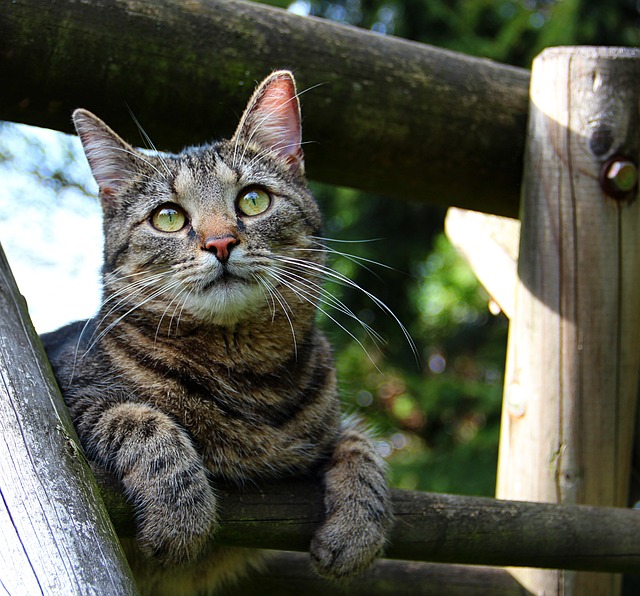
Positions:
{"x": 216, "y": 232}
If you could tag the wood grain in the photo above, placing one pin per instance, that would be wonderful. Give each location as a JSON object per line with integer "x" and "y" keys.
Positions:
{"x": 429, "y": 527}
{"x": 573, "y": 357}
{"x": 55, "y": 534}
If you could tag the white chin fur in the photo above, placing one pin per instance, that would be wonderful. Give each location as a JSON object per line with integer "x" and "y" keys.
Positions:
{"x": 226, "y": 304}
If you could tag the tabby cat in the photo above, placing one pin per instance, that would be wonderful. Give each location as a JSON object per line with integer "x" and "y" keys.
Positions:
{"x": 204, "y": 363}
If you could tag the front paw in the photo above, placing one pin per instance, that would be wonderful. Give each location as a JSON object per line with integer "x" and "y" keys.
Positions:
{"x": 345, "y": 545}
{"x": 357, "y": 506}
{"x": 163, "y": 477}
{"x": 174, "y": 527}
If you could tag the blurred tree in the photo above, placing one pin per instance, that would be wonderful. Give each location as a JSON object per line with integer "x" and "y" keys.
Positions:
{"x": 510, "y": 31}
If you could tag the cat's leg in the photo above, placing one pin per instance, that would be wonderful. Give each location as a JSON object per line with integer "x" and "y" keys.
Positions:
{"x": 163, "y": 476}
{"x": 357, "y": 508}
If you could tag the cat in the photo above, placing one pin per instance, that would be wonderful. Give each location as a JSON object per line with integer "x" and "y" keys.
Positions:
{"x": 204, "y": 363}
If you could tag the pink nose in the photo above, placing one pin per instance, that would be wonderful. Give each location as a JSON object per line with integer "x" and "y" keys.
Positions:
{"x": 220, "y": 246}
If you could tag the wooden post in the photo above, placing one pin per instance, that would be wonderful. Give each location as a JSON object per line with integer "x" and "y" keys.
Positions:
{"x": 55, "y": 534}
{"x": 489, "y": 243}
{"x": 573, "y": 357}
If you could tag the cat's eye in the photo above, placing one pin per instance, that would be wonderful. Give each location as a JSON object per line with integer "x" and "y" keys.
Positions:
{"x": 169, "y": 218}
{"x": 253, "y": 201}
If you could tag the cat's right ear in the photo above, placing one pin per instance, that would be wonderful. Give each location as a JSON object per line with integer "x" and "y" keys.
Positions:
{"x": 272, "y": 119}
{"x": 112, "y": 160}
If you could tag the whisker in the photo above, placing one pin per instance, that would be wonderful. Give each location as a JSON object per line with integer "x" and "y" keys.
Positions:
{"x": 172, "y": 301}
{"x": 340, "y": 241}
{"x": 286, "y": 308}
{"x": 256, "y": 158}
{"x": 77, "y": 349}
{"x": 266, "y": 292}
{"x": 148, "y": 299}
{"x": 184, "y": 303}
{"x": 322, "y": 295}
{"x": 322, "y": 271}
{"x": 139, "y": 156}
{"x": 302, "y": 296}
{"x": 158, "y": 292}
{"x": 149, "y": 142}
{"x": 125, "y": 291}
{"x": 351, "y": 257}
{"x": 359, "y": 261}
{"x": 136, "y": 286}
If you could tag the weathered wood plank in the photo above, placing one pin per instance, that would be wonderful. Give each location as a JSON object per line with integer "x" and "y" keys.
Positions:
{"x": 289, "y": 574}
{"x": 573, "y": 359}
{"x": 388, "y": 115}
{"x": 430, "y": 527}
{"x": 489, "y": 244}
{"x": 55, "y": 534}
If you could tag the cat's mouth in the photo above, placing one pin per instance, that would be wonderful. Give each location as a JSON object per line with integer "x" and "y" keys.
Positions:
{"x": 223, "y": 282}
{"x": 224, "y": 279}
{"x": 224, "y": 298}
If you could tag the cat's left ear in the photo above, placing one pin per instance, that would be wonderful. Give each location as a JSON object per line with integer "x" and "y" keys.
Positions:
{"x": 112, "y": 160}
{"x": 272, "y": 119}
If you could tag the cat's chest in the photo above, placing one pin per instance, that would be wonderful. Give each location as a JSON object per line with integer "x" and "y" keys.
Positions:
{"x": 273, "y": 416}
{"x": 243, "y": 430}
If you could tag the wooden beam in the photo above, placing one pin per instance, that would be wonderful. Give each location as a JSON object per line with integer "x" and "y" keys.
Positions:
{"x": 55, "y": 534}
{"x": 289, "y": 574}
{"x": 429, "y": 527}
{"x": 573, "y": 361}
{"x": 380, "y": 113}
{"x": 489, "y": 244}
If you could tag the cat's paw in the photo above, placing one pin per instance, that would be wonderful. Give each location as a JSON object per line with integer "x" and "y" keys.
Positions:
{"x": 163, "y": 477}
{"x": 357, "y": 505}
{"x": 358, "y": 509}
{"x": 345, "y": 546}
{"x": 174, "y": 528}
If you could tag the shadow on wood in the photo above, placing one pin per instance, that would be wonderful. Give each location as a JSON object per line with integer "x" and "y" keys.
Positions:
{"x": 429, "y": 527}
{"x": 289, "y": 574}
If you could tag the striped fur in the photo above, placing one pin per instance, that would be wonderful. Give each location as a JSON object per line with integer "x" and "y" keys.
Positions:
{"x": 204, "y": 363}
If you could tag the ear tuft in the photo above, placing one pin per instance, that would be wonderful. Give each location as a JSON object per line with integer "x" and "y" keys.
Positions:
{"x": 272, "y": 119}
{"x": 112, "y": 160}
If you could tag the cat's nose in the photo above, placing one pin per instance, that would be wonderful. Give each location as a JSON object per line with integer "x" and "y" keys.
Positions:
{"x": 221, "y": 246}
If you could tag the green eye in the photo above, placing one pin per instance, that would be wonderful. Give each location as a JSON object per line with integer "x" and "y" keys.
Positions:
{"x": 254, "y": 201}
{"x": 168, "y": 218}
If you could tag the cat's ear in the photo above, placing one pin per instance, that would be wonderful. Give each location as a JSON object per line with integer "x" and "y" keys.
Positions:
{"x": 112, "y": 160}
{"x": 272, "y": 119}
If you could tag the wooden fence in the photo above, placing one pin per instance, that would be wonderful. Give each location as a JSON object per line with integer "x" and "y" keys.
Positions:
{"x": 414, "y": 122}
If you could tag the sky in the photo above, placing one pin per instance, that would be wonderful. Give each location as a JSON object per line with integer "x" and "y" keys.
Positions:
{"x": 51, "y": 235}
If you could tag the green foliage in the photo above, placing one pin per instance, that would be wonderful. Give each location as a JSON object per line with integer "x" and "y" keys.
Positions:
{"x": 510, "y": 31}
{"x": 439, "y": 421}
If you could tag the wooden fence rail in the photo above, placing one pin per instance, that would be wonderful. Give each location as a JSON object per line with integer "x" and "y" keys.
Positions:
{"x": 389, "y": 116}
{"x": 431, "y": 527}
